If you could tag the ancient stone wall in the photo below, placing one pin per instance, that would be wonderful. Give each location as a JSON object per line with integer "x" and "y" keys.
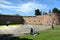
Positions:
{"x": 44, "y": 19}
{"x": 11, "y": 19}
{"x": 34, "y": 20}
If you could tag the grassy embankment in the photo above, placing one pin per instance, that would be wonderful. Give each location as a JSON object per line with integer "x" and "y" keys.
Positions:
{"x": 49, "y": 34}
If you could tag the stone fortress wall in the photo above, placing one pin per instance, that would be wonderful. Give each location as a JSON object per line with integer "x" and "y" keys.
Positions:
{"x": 42, "y": 20}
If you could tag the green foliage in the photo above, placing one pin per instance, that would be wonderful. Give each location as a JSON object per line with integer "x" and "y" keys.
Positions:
{"x": 58, "y": 11}
{"x": 37, "y": 12}
{"x": 55, "y": 10}
{"x": 17, "y": 15}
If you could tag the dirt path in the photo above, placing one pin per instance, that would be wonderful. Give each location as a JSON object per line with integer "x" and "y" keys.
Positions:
{"x": 18, "y": 30}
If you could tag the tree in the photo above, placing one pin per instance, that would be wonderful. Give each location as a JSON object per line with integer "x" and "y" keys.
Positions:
{"x": 58, "y": 11}
{"x": 17, "y": 15}
{"x": 55, "y": 10}
{"x": 37, "y": 12}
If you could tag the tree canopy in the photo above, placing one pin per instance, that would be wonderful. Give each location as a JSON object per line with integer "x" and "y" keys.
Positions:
{"x": 17, "y": 15}
{"x": 55, "y": 10}
{"x": 37, "y": 12}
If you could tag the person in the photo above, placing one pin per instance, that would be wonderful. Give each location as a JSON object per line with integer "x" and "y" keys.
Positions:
{"x": 8, "y": 22}
{"x": 52, "y": 26}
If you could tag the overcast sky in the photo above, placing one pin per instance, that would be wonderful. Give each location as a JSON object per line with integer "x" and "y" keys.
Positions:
{"x": 27, "y": 7}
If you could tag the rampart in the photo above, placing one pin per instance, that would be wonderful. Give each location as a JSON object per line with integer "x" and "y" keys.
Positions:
{"x": 52, "y": 18}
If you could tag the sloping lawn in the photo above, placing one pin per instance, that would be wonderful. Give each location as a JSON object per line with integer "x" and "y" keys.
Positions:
{"x": 49, "y": 34}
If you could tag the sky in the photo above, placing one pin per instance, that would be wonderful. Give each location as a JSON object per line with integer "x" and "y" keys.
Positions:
{"x": 27, "y": 7}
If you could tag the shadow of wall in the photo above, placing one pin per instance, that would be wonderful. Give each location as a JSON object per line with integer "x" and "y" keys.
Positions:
{"x": 11, "y": 37}
{"x": 11, "y": 19}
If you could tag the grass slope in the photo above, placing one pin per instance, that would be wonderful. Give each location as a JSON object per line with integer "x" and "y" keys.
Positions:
{"x": 49, "y": 34}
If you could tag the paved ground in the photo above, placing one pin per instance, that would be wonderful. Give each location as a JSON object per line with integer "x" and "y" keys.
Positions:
{"x": 17, "y": 30}
{"x": 9, "y": 31}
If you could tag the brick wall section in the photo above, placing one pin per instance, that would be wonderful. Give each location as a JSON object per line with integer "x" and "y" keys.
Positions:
{"x": 55, "y": 18}
{"x": 34, "y": 20}
{"x": 45, "y": 19}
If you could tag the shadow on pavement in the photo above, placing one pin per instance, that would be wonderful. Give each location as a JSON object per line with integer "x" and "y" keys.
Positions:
{"x": 11, "y": 37}
{"x": 17, "y": 38}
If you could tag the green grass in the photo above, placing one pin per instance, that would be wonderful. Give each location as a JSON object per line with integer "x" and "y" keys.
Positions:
{"x": 49, "y": 34}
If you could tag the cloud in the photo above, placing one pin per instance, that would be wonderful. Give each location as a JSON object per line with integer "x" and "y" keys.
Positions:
{"x": 6, "y": 6}
{"x": 4, "y": 2}
{"x": 26, "y": 7}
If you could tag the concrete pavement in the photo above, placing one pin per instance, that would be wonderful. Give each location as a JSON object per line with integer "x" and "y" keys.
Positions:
{"x": 19, "y": 30}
